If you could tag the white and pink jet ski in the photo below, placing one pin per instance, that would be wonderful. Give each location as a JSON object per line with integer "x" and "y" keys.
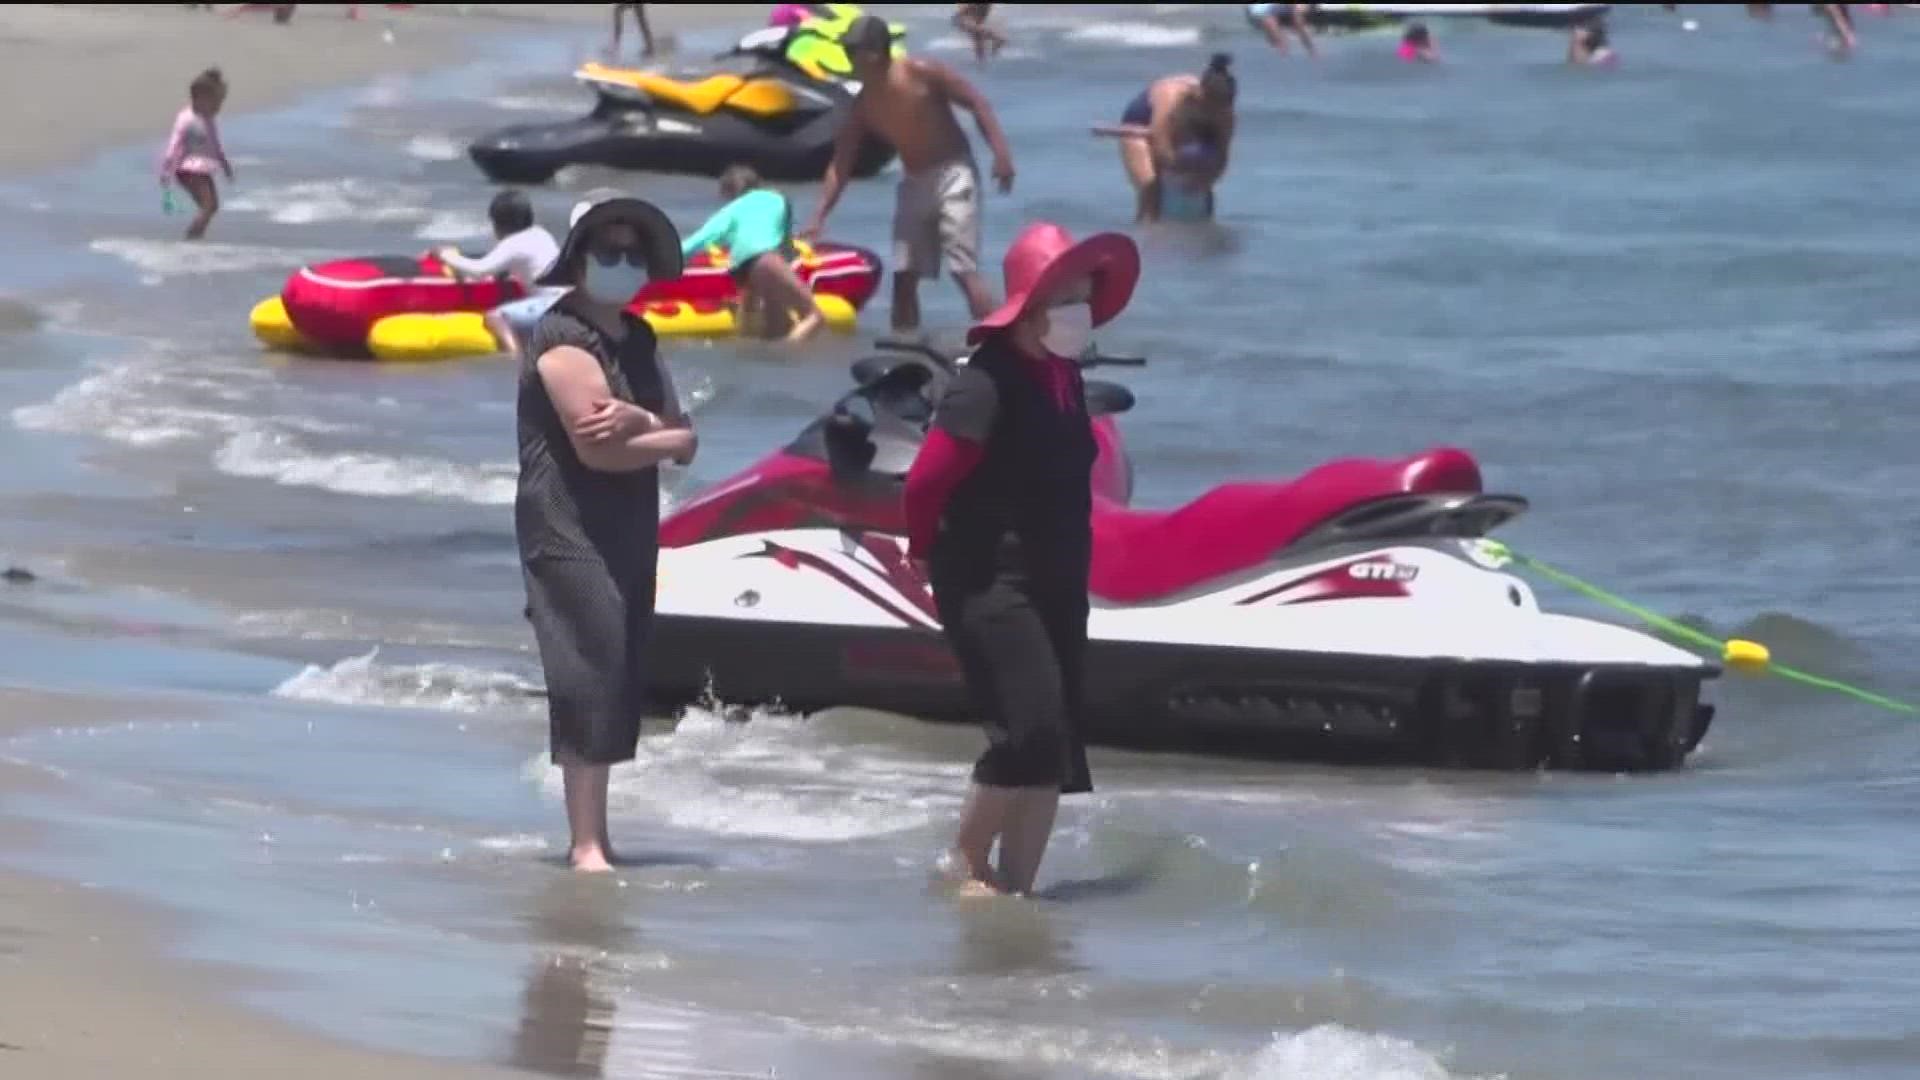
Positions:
{"x": 1350, "y": 612}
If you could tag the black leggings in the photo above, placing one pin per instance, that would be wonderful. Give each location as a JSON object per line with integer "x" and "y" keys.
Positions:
{"x": 1022, "y": 651}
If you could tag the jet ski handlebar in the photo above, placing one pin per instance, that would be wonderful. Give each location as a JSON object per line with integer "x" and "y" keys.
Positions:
{"x": 944, "y": 358}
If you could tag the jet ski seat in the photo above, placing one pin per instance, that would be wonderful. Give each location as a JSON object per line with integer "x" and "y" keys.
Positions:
{"x": 1143, "y": 555}
{"x": 759, "y": 97}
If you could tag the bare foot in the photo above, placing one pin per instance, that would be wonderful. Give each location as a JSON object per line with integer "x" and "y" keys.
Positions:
{"x": 592, "y": 860}
{"x": 977, "y": 890}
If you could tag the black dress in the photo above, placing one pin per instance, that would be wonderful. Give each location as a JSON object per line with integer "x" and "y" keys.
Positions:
{"x": 589, "y": 540}
{"x": 1009, "y": 564}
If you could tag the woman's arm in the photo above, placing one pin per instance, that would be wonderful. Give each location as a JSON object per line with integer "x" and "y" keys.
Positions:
{"x": 1166, "y": 97}
{"x": 578, "y": 389}
{"x": 955, "y": 443}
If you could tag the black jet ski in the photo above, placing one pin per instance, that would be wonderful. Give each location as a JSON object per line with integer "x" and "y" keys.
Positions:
{"x": 770, "y": 116}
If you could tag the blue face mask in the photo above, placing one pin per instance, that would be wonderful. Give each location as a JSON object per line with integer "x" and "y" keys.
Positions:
{"x": 613, "y": 283}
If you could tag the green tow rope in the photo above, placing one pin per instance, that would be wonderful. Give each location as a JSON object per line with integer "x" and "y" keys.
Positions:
{"x": 1749, "y": 657}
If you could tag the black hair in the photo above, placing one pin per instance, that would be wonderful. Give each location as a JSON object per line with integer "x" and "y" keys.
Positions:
{"x": 1596, "y": 34}
{"x": 1418, "y": 34}
{"x": 510, "y": 212}
{"x": 1217, "y": 81}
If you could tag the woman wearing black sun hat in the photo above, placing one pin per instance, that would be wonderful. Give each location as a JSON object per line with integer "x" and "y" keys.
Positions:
{"x": 597, "y": 415}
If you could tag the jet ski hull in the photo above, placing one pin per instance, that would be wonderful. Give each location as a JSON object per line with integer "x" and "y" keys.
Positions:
{"x": 1343, "y": 655}
{"x": 670, "y": 142}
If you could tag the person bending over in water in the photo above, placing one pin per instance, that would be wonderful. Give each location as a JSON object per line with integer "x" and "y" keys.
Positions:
{"x": 522, "y": 251}
{"x": 194, "y": 151}
{"x": 1267, "y": 18}
{"x": 756, "y": 229}
{"x": 909, "y": 103}
{"x": 1173, "y": 108}
{"x": 999, "y": 517}
{"x": 1588, "y": 46}
{"x": 1416, "y": 45}
{"x": 971, "y": 20}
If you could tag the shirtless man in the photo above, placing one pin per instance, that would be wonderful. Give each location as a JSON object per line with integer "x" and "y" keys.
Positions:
{"x": 936, "y": 212}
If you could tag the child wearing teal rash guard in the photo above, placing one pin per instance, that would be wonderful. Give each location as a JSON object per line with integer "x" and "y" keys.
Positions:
{"x": 756, "y": 229}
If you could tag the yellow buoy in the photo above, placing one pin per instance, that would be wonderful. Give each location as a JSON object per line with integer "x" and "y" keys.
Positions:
{"x": 1750, "y": 657}
{"x": 415, "y": 338}
{"x": 274, "y": 329}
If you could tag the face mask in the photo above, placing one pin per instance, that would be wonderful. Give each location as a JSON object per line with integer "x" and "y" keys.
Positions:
{"x": 1069, "y": 328}
{"x": 613, "y": 283}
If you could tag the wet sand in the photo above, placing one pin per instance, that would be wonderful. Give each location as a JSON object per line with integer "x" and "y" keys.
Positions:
{"x": 85, "y": 993}
{"x": 82, "y": 77}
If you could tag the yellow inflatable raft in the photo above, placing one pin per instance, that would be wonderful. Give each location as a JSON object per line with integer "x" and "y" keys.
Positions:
{"x": 457, "y": 334}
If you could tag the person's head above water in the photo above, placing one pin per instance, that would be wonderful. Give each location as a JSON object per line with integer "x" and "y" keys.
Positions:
{"x": 1595, "y": 34}
{"x": 868, "y": 44}
{"x": 1059, "y": 290}
{"x": 1217, "y": 84}
{"x": 737, "y": 180}
{"x": 1417, "y": 36}
{"x": 613, "y": 248}
{"x": 207, "y": 91}
{"x": 510, "y": 213}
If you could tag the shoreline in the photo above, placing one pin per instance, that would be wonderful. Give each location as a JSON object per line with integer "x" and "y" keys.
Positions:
{"x": 107, "y": 1000}
{"x": 87, "y": 78}
{"x": 109, "y": 997}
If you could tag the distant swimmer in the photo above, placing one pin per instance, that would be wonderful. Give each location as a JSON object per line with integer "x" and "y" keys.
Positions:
{"x": 522, "y": 251}
{"x": 1840, "y": 21}
{"x": 971, "y": 20}
{"x": 1276, "y": 20}
{"x": 194, "y": 152}
{"x": 1416, "y": 45}
{"x": 1588, "y": 46}
{"x": 936, "y": 212}
{"x": 1173, "y": 110}
{"x": 639, "y": 13}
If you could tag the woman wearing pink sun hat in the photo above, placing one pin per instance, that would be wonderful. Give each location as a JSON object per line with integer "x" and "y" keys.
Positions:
{"x": 999, "y": 511}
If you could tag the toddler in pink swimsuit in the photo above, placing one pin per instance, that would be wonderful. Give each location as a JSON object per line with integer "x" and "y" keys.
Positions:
{"x": 193, "y": 150}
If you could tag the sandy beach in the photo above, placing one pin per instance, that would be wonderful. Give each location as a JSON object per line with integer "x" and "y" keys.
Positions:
{"x": 82, "y": 77}
{"x": 84, "y": 989}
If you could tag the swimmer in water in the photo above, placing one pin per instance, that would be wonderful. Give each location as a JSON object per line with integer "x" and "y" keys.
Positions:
{"x": 1172, "y": 109}
{"x": 1275, "y": 20}
{"x": 971, "y": 20}
{"x": 1416, "y": 45}
{"x": 1588, "y": 46}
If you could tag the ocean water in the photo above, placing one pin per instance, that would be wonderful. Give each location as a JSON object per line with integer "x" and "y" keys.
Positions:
{"x": 1670, "y": 303}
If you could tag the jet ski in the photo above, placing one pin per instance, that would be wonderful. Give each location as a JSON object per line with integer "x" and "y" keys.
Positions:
{"x": 768, "y": 114}
{"x": 1350, "y": 613}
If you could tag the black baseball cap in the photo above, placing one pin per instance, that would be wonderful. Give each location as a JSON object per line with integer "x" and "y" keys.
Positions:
{"x": 868, "y": 33}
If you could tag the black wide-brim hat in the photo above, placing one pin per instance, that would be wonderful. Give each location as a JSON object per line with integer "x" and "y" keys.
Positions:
{"x": 659, "y": 239}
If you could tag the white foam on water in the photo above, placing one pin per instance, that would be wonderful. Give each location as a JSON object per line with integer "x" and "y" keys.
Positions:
{"x": 158, "y": 260}
{"x": 516, "y": 844}
{"x": 536, "y": 102}
{"x": 363, "y": 680}
{"x": 1326, "y": 1052}
{"x": 770, "y": 778}
{"x": 449, "y": 226}
{"x": 1332, "y": 1052}
{"x": 1130, "y": 35}
{"x": 279, "y": 457}
{"x": 154, "y": 403}
{"x": 315, "y": 202}
{"x": 435, "y": 147}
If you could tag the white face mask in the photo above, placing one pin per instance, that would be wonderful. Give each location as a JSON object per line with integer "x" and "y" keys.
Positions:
{"x": 614, "y": 283}
{"x": 1069, "y": 328}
